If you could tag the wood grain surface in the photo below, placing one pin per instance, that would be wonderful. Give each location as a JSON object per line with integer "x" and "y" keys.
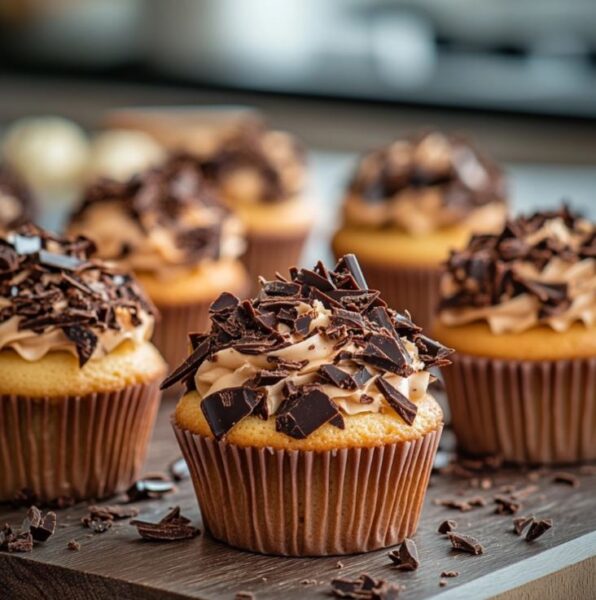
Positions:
{"x": 118, "y": 564}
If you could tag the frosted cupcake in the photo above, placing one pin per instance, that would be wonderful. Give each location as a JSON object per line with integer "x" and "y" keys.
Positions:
{"x": 16, "y": 205}
{"x": 307, "y": 423}
{"x": 169, "y": 228}
{"x": 520, "y": 309}
{"x": 411, "y": 202}
{"x": 78, "y": 377}
{"x": 261, "y": 175}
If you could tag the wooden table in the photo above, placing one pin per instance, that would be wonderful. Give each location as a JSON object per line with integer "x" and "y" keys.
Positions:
{"x": 118, "y": 564}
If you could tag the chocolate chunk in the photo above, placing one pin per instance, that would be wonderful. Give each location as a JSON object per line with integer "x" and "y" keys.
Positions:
{"x": 226, "y": 407}
{"x": 401, "y": 405}
{"x": 387, "y": 353}
{"x": 350, "y": 262}
{"x": 506, "y": 506}
{"x": 149, "y": 489}
{"x": 566, "y": 478}
{"x": 431, "y": 352}
{"x": 538, "y": 528}
{"x": 189, "y": 366}
{"x": 520, "y": 523}
{"x": 97, "y": 525}
{"x": 73, "y": 545}
{"x": 113, "y": 512}
{"x": 178, "y": 470}
{"x": 337, "y": 377}
{"x": 172, "y": 527}
{"x": 312, "y": 279}
{"x": 224, "y": 303}
{"x": 85, "y": 340}
{"x": 351, "y": 319}
{"x": 361, "y": 376}
{"x": 465, "y": 543}
{"x": 450, "y": 574}
{"x": 304, "y": 412}
{"x": 39, "y": 525}
{"x": 405, "y": 556}
{"x": 302, "y": 324}
{"x": 447, "y": 526}
{"x": 21, "y": 542}
{"x": 281, "y": 288}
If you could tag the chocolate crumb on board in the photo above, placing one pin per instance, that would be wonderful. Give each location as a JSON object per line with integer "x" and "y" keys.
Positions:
{"x": 113, "y": 512}
{"x": 15, "y": 541}
{"x": 505, "y": 505}
{"x": 339, "y": 565}
{"x": 309, "y": 582}
{"x": 566, "y": 478}
{"x": 171, "y": 528}
{"x": 461, "y": 504}
{"x": 73, "y": 545}
{"x": 442, "y": 582}
{"x": 465, "y": 543}
{"x": 538, "y": 528}
{"x": 450, "y": 574}
{"x": 149, "y": 488}
{"x": 244, "y": 596}
{"x": 364, "y": 587}
{"x": 41, "y": 526}
{"x": 405, "y": 556}
{"x": 178, "y": 470}
{"x": 447, "y": 526}
{"x": 520, "y": 523}
{"x": 97, "y": 524}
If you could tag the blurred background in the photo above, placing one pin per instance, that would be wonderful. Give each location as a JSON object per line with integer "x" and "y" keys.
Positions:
{"x": 343, "y": 75}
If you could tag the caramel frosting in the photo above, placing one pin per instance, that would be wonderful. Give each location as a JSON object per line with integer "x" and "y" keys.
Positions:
{"x": 164, "y": 221}
{"x": 540, "y": 270}
{"x": 254, "y": 164}
{"x": 15, "y": 200}
{"x": 424, "y": 183}
{"x": 306, "y": 351}
{"x": 55, "y": 297}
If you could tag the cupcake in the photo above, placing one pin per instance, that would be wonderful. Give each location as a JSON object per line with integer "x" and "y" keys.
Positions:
{"x": 408, "y": 204}
{"x": 261, "y": 175}
{"x": 307, "y": 424}
{"x": 168, "y": 227}
{"x": 520, "y": 309}
{"x": 79, "y": 380}
{"x": 16, "y": 204}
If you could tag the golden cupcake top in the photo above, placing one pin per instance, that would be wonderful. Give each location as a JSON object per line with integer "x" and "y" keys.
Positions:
{"x": 254, "y": 164}
{"x": 539, "y": 270}
{"x": 426, "y": 182}
{"x": 15, "y": 200}
{"x": 309, "y": 350}
{"x": 54, "y": 296}
{"x": 163, "y": 221}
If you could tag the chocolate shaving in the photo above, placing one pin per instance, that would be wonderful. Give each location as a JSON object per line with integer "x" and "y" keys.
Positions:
{"x": 337, "y": 377}
{"x": 73, "y": 545}
{"x": 465, "y": 543}
{"x": 566, "y": 478}
{"x": 506, "y": 506}
{"x": 520, "y": 523}
{"x": 447, "y": 526}
{"x": 405, "y": 556}
{"x": 401, "y": 405}
{"x": 171, "y": 528}
{"x": 41, "y": 526}
{"x": 538, "y": 528}
{"x": 364, "y": 587}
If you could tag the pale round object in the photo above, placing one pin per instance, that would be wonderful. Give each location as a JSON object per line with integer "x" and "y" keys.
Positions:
{"x": 120, "y": 154}
{"x": 48, "y": 152}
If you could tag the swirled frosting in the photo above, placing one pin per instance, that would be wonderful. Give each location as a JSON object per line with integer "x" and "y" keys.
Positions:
{"x": 255, "y": 164}
{"x": 54, "y": 296}
{"x": 15, "y": 200}
{"x": 164, "y": 221}
{"x": 540, "y": 269}
{"x": 306, "y": 351}
{"x": 424, "y": 183}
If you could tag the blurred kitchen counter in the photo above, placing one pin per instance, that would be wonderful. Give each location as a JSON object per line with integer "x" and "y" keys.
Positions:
{"x": 323, "y": 124}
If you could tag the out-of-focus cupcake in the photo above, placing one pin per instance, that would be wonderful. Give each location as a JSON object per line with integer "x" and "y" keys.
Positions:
{"x": 520, "y": 309}
{"x": 16, "y": 204}
{"x": 79, "y": 380}
{"x": 411, "y": 202}
{"x": 168, "y": 227}
{"x": 261, "y": 175}
{"x": 307, "y": 424}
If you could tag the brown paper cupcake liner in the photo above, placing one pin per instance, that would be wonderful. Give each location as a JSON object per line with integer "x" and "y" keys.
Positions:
{"x": 528, "y": 412}
{"x": 298, "y": 503}
{"x": 267, "y": 254}
{"x": 77, "y": 447}
{"x": 402, "y": 287}
{"x": 175, "y": 323}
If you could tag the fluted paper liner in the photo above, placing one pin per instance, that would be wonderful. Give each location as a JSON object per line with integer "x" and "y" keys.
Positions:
{"x": 267, "y": 254}
{"x": 79, "y": 447}
{"x": 405, "y": 287}
{"x": 529, "y": 412}
{"x": 175, "y": 323}
{"x": 303, "y": 503}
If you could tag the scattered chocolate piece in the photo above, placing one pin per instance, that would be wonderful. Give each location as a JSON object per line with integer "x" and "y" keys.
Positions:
{"x": 22, "y": 542}
{"x": 337, "y": 377}
{"x": 538, "y": 528}
{"x": 465, "y": 543}
{"x": 506, "y": 506}
{"x": 450, "y": 574}
{"x": 172, "y": 527}
{"x": 364, "y": 588}
{"x": 178, "y": 470}
{"x": 244, "y": 596}
{"x": 96, "y": 524}
{"x": 461, "y": 504}
{"x": 405, "y": 556}
{"x": 73, "y": 545}
{"x": 41, "y": 526}
{"x": 339, "y": 565}
{"x": 566, "y": 478}
{"x": 442, "y": 582}
{"x": 520, "y": 523}
{"x": 113, "y": 512}
{"x": 447, "y": 526}
{"x": 149, "y": 489}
